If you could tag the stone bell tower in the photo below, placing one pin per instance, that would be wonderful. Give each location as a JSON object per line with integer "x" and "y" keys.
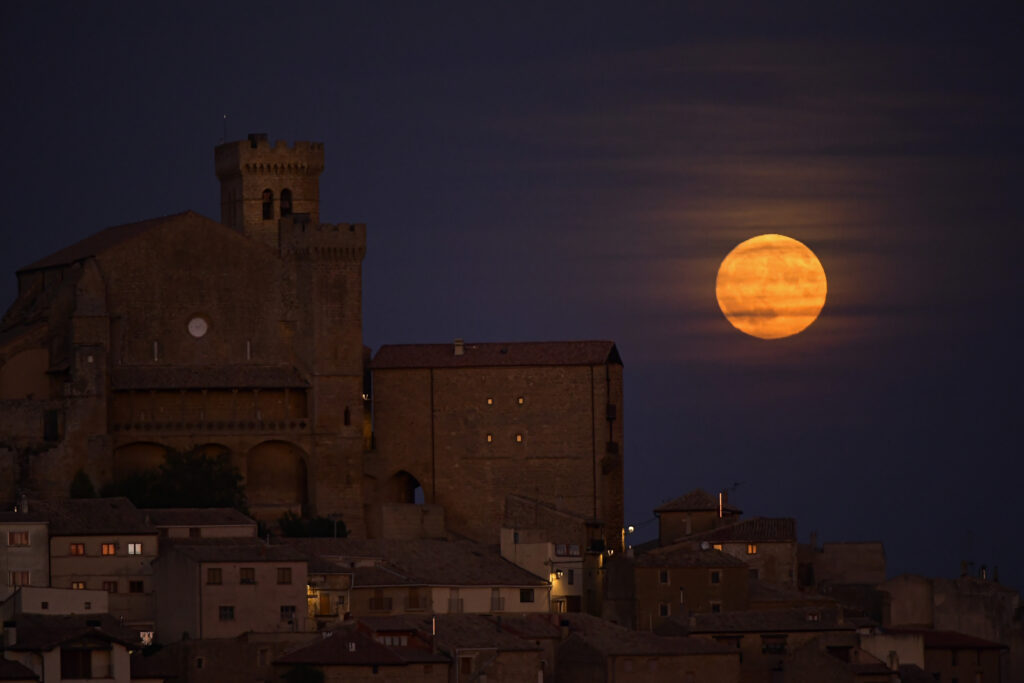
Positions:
{"x": 262, "y": 183}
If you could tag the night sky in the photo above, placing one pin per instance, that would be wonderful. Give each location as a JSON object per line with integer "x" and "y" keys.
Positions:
{"x": 529, "y": 173}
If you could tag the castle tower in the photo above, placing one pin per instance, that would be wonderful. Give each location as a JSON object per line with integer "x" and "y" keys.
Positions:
{"x": 262, "y": 183}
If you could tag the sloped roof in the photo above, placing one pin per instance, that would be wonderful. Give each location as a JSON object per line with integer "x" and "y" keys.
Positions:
{"x": 948, "y": 640}
{"x": 454, "y": 631}
{"x": 15, "y": 671}
{"x": 532, "y": 626}
{"x": 761, "y": 591}
{"x": 243, "y": 549}
{"x": 612, "y": 639}
{"x": 163, "y": 517}
{"x": 206, "y": 377}
{"x": 754, "y": 530}
{"x": 42, "y": 632}
{"x": 422, "y": 562}
{"x": 348, "y": 647}
{"x": 775, "y": 620}
{"x": 697, "y": 500}
{"x": 496, "y": 354}
{"x": 110, "y": 237}
{"x": 684, "y": 555}
{"x": 92, "y": 517}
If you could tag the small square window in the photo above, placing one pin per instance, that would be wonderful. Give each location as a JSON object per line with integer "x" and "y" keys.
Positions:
{"x": 18, "y": 578}
{"x": 135, "y": 587}
{"x": 76, "y": 549}
{"x": 520, "y": 400}
{"x": 716, "y": 576}
{"x": 78, "y": 585}
{"x": 227, "y": 612}
{"x": 134, "y": 548}
{"x": 716, "y": 607}
{"x": 525, "y": 595}
{"x": 490, "y": 438}
{"x": 287, "y": 613}
{"x": 247, "y": 575}
{"x": 663, "y": 576}
{"x": 88, "y": 604}
{"x": 490, "y": 401}
{"x": 214, "y": 576}
{"x": 663, "y": 609}
{"x": 519, "y": 438}
{"x": 751, "y": 549}
{"x": 717, "y": 546}
{"x": 44, "y": 605}
{"x": 110, "y": 586}
{"x": 17, "y": 538}
{"x": 284, "y": 575}
{"x": 108, "y": 549}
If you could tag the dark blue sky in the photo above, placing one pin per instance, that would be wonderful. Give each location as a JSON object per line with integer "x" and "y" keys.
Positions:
{"x": 531, "y": 173}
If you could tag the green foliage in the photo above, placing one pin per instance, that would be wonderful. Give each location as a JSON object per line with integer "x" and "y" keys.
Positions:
{"x": 304, "y": 674}
{"x": 81, "y": 486}
{"x": 189, "y": 479}
{"x": 319, "y": 527}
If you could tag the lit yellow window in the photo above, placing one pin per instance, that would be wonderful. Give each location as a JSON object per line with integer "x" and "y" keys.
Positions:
{"x": 717, "y": 546}
{"x": 520, "y": 400}
{"x": 519, "y": 438}
{"x": 78, "y": 585}
{"x": 490, "y": 438}
{"x": 751, "y": 549}
{"x": 490, "y": 401}
{"x": 108, "y": 549}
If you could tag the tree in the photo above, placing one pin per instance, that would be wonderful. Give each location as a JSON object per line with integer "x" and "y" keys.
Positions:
{"x": 81, "y": 486}
{"x": 186, "y": 479}
{"x": 319, "y": 527}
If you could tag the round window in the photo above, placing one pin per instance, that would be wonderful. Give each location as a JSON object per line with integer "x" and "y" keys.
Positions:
{"x": 197, "y": 327}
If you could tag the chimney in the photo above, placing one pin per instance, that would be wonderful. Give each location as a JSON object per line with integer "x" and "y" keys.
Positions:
{"x": 460, "y": 347}
{"x": 983, "y": 573}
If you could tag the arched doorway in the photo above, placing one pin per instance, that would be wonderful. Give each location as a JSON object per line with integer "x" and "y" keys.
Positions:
{"x": 402, "y": 487}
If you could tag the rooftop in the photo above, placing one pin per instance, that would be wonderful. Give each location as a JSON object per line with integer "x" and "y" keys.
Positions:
{"x": 774, "y": 620}
{"x": 352, "y": 647}
{"x": 191, "y": 517}
{"x": 754, "y": 530}
{"x": 948, "y": 640}
{"x": 684, "y": 555}
{"x": 92, "y": 517}
{"x": 496, "y": 354}
{"x": 697, "y": 500}
{"x": 242, "y": 549}
{"x": 612, "y": 639}
{"x": 206, "y": 377}
{"x": 47, "y": 631}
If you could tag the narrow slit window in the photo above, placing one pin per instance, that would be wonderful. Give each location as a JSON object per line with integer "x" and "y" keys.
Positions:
{"x": 286, "y": 203}
{"x": 268, "y": 204}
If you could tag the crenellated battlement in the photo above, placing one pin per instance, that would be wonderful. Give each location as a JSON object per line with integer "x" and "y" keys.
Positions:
{"x": 257, "y": 155}
{"x": 302, "y": 239}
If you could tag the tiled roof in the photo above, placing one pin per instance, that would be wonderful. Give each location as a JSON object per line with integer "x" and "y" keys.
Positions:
{"x": 775, "y": 620}
{"x": 754, "y": 530}
{"x": 683, "y": 555}
{"x": 697, "y": 500}
{"x": 496, "y": 354}
{"x": 206, "y": 377}
{"x": 191, "y": 517}
{"x": 348, "y": 647}
{"x": 231, "y": 550}
{"x": 766, "y": 592}
{"x": 948, "y": 640}
{"x": 31, "y": 517}
{"x": 110, "y": 237}
{"x": 453, "y": 631}
{"x": 47, "y": 631}
{"x": 92, "y": 517}
{"x": 612, "y": 639}
{"x": 912, "y": 673}
{"x": 533, "y": 626}
{"x": 422, "y": 562}
{"x": 15, "y": 671}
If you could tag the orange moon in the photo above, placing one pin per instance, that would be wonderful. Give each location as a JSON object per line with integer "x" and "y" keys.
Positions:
{"x": 771, "y": 286}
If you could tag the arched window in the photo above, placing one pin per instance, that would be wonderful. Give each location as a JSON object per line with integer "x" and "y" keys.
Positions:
{"x": 286, "y": 203}
{"x": 268, "y": 204}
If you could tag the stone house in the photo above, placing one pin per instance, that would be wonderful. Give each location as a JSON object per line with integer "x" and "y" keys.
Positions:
{"x": 24, "y": 551}
{"x": 678, "y": 580}
{"x": 221, "y": 588}
{"x": 177, "y": 523}
{"x": 768, "y": 546}
{"x": 104, "y": 544}
{"x": 693, "y": 513}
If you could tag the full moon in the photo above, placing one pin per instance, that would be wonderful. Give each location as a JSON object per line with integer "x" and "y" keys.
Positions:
{"x": 771, "y": 286}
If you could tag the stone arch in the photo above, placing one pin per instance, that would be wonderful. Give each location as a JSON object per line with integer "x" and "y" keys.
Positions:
{"x": 401, "y": 487}
{"x": 141, "y": 456}
{"x": 24, "y": 375}
{"x": 275, "y": 478}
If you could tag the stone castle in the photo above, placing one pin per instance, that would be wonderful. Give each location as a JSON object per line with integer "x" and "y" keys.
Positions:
{"x": 244, "y": 337}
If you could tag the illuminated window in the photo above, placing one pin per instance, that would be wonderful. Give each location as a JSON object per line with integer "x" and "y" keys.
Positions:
{"x": 520, "y": 400}
{"x": 110, "y": 586}
{"x": 17, "y": 538}
{"x": 717, "y": 546}
{"x": 78, "y": 585}
{"x": 284, "y": 575}
{"x": 751, "y": 549}
{"x": 226, "y": 612}
{"x": 716, "y": 576}
{"x": 214, "y": 576}
{"x": 490, "y": 401}
{"x": 134, "y": 548}
{"x": 135, "y": 587}
{"x": 663, "y": 610}
{"x": 519, "y": 438}
{"x": 247, "y": 575}
{"x": 490, "y": 438}
{"x": 108, "y": 549}
{"x": 76, "y": 549}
